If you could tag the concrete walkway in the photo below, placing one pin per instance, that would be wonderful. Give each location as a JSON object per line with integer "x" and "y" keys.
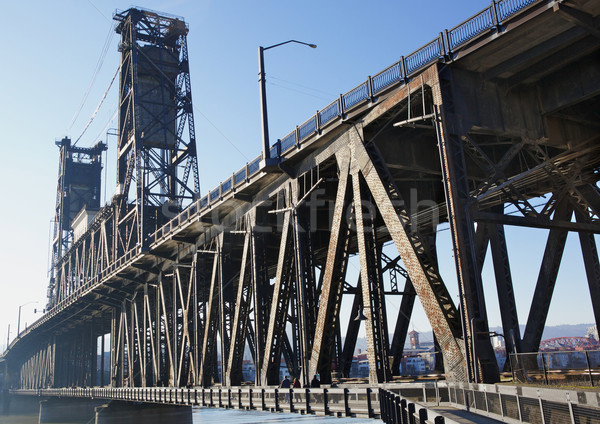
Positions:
{"x": 460, "y": 416}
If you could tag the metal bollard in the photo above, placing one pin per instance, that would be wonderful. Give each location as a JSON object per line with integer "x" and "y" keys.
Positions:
{"x": 422, "y": 416}
{"x": 411, "y": 413}
{"x": 404, "y": 412}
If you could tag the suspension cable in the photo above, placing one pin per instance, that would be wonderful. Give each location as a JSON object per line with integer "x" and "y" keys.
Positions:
{"x": 99, "y": 64}
{"x": 99, "y": 105}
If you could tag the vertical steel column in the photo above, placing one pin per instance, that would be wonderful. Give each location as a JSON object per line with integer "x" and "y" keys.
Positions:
{"x": 175, "y": 346}
{"x": 260, "y": 292}
{"x": 544, "y": 288}
{"x": 102, "y": 362}
{"x": 371, "y": 287}
{"x": 196, "y": 323}
{"x": 207, "y": 364}
{"x": 352, "y": 331}
{"x": 113, "y": 348}
{"x": 93, "y": 352}
{"x": 145, "y": 339}
{"x": 401, "y": 329}
{"x": 333, "y": 279}
{"x": 305, "y": 284}
{"x": 428, "y": 284}
{"x": 279, "y": 307}
{"x": 240, "y": 320}
{"x": 166, "y": 351}
{"x": 224, "y": 296}
{"x": 504, "y": 284}
{"x": 456, "y": 184}
{"x": 592, "y": 267}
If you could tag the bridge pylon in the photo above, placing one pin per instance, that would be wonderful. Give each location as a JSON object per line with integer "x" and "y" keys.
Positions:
{"x": 157, "y": 169}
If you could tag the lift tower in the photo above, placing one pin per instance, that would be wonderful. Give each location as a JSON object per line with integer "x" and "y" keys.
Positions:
{"x": 77, "y": 194}
{"x": 157, "y": 170}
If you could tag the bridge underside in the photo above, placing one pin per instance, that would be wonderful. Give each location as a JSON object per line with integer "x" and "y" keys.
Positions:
{"x": 505, "y": 132}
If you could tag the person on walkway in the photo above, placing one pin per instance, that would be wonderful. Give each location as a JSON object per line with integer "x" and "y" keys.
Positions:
{"x": 315, "y": 383}
{"x": 296, "y": 385}
{"x": 285, "y": 383}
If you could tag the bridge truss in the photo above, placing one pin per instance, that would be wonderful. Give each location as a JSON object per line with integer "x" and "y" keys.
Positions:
{"x": 483, "y": 133}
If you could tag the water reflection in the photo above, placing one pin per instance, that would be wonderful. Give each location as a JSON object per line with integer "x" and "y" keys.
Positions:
{"x": 214, "y": 416}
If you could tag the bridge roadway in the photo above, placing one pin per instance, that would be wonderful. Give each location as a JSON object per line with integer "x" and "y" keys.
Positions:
{"x": 497, "y": 111}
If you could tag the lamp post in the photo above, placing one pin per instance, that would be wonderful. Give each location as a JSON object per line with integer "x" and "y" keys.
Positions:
{"x": 263, "y": 98}
{"x": 19, "y": 320}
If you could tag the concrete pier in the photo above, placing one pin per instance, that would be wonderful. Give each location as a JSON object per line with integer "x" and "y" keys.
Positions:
{"x": 11, "y": 404}
{"x": 61, "y": 410}
{"x": 117, "y": 412}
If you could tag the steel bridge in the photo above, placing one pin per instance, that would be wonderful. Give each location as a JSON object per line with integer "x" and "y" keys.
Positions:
{"x": 495, "y": 122}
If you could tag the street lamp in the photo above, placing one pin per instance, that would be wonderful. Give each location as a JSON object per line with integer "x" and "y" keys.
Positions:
{"x": 263, "y": 98}
{"x": 19, "y": 320}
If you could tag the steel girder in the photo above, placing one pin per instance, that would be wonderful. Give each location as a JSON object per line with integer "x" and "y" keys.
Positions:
{"x": 546, "y": 281}
{"x": 414, "y": 251}
{"x": 371, "y": 286}
{"x": 483, "y": 365}
{"x": 592, "y": 267}
{"x": 334, "y": 273}
{"x": 282, "y": 290}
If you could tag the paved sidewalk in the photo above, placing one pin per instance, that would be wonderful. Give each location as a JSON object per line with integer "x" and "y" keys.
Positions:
{"x": 461, "y": 416}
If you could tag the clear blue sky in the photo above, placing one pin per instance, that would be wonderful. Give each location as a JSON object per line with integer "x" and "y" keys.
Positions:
{"x": 50, "y": 51}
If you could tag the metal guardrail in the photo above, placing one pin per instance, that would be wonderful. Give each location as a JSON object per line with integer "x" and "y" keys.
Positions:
{"x": 441, "y": 48}
{"x": 341, "y": 402}
{"x": 514, "y": 405}
{"x": 508, "y": 403}
{"x": 398, "y": 410}
{"x": 577, "y": 367}
{"x": 408, "y": 403}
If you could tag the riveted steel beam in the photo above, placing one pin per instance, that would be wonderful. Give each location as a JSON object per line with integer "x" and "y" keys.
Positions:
{"x": 413, "y": 250}
{"x": 456, "y": 185}
{"x": 504, "y": 285}
{"x": 279, "y": 306}
{"x": 544, "y": 288}
{"x": 333, "y": 278}
{"x": 592, "y": 267}
{"x": 240, "y": 320}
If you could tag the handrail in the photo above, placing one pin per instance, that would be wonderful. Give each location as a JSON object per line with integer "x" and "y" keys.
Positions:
{"x": 348, "y": 402}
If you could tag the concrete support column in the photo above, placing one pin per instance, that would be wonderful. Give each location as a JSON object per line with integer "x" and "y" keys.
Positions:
{"x": 67, "y": 410}
{"x": 117, "y": 412}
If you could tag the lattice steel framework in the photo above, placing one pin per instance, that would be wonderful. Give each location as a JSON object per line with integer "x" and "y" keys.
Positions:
{"x": 157, "y": 167}
{"x": 78, "y": 188}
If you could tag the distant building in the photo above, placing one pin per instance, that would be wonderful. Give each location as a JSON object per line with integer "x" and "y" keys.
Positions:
{"x": 414, "y": 340}
{"x": 592, "y": 333}
{"x": 413, "y": 365}
{"x": 498, "y": 341}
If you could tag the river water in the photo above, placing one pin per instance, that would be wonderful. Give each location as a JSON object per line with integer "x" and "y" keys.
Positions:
{"x": 220, "y": 416}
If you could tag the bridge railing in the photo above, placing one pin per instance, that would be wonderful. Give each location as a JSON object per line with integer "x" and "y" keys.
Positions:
{"x": 441, "y": 48}
{"x": 395, "y": 409}
{"x": 348, "y": 402}
{"x": 558, "y": 368}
